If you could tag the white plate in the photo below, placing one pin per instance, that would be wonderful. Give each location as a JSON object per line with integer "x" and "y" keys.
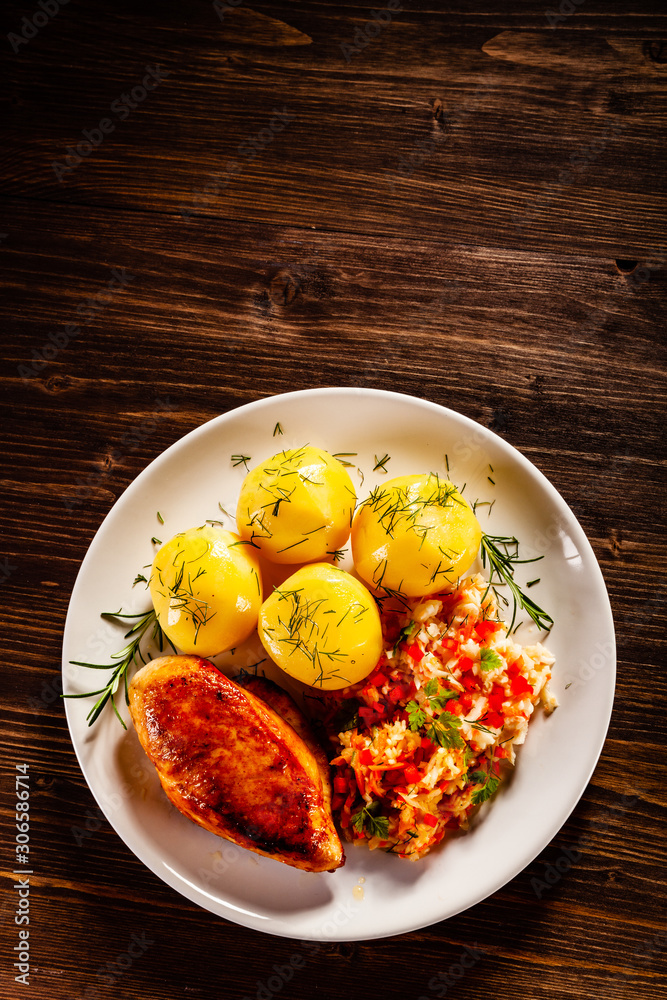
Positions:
{"x": 186, "y": 484}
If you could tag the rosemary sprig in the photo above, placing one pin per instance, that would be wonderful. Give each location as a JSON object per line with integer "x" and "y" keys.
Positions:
{"x": 126, "y": 657}
{"x": 501, "y": 553}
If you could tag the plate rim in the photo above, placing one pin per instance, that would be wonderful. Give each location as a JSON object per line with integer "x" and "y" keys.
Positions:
{"x": 512, "y": 452}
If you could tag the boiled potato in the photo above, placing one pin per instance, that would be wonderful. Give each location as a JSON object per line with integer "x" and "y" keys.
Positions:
{"x": 322, "y": 627}
{"x": 297, "y": 506}
{"x": 414, "y": 535}
{"x": 207, "y": 590}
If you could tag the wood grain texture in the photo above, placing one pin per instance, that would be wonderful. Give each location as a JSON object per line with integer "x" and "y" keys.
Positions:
{"x": 412, "y": 229}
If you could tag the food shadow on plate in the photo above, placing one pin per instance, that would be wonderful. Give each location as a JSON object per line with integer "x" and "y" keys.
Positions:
{"x": 202, "y": 861}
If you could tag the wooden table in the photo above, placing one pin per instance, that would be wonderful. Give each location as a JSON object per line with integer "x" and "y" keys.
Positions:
{"x": 463, "y": 205}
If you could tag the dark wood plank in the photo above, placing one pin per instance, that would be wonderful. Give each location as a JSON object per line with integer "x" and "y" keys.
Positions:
{"x": 408, "y": 231}
{"x": 529, "y": 133}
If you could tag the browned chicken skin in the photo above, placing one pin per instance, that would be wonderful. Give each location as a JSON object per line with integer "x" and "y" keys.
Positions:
{"x": 233, "y": 764}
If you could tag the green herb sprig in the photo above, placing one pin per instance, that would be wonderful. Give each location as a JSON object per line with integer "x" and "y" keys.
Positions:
{"x": 488, "y": 783}
{"x": 366, "y": 821}
{"x": 126, "y": 657}
{"x": 501, "y": 552}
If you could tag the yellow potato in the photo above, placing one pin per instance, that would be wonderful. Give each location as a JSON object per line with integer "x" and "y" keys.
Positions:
{"x": 297, "y": 506}
{"x": 414, "y": 535}
{"x": 322, "y": 627}
{"x": 206, "y": 588}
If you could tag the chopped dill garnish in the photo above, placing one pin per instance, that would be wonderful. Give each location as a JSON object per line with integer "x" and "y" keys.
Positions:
{"x": 492, "y": 481}
{"x": 342, "y": 455}
{"x": 381, "y": 463}
{"x": 156, "y": 541}
{"x": 531, "y": 583}
{"x": 160, "y": 517}
{"x": 139, "y": 578}
{"x": 277, "y": 430}
{"x": 241, "y": 460}
{"x": 337, "y": 554}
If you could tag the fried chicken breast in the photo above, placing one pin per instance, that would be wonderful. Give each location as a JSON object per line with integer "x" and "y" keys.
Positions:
{"x": 244, "y": 770}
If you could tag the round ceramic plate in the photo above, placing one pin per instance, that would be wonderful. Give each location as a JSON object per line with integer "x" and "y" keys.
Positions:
{"x": 375, "y": 894}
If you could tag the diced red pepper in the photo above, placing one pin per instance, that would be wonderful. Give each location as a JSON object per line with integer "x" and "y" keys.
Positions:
{"x": 519, "y": 685}
{"x": 465, "y": 664}
{"x": 427, "y": 744}
{"x": 497, "y": 697}
{"x": 470, "y": 682}
{"x": 396, "y": 694}
{"x": 486, "y": 628}
{"x": 454, "y": 706}
{"x": 412, "y": 774}
{"x": 465, "y": 701}
{"x": 495, "y": 720}
{"x": 450, "y": 644}
{"x": 378, "y": 679}
{"x": 500, "y": 753}
{"x": 337, "y": 801}
{"x": 430, "y": 819}
{"x": 340, "y": 783}
{"x": 514, "y": 668}
{"x": 415, "y": 651}
{"x": 365, "y": 757}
